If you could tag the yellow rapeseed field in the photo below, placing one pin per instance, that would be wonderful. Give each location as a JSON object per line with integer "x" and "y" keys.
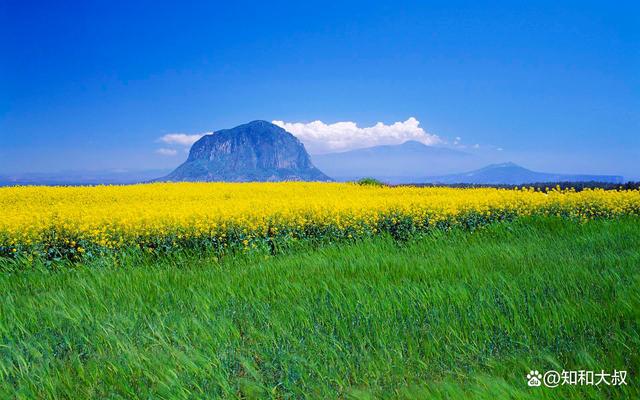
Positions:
{"x": 154, "y": 216}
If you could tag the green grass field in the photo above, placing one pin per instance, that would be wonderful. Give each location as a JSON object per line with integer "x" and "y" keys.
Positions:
{"x": 451, "y": 315}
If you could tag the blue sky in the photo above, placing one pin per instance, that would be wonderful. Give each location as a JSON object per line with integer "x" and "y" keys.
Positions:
{"x": 94, "y": 85}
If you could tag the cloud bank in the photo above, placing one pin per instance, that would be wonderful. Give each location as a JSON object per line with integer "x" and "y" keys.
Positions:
{"x": 319, "y": 137}
{"x": 182, "y": 139}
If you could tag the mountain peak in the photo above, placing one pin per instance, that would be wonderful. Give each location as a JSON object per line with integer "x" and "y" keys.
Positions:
{"x": 257, "y": 126}
{"x": 413, "y": 143}
{"x": 512, "y": 174}
{"x": 259, "y": 123}
{"x": 508, "y": 164}
{"x": 405, "y": 162}
{"x": 255, "y": 151}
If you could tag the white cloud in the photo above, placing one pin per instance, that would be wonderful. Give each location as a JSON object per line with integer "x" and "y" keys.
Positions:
{"x": 167, "y": 152}
{"x": 319, "y": 137}
{"x": 182, "y": 139}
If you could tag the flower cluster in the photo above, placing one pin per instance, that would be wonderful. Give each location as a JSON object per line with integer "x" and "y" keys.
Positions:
{"x": 74, "y": 221}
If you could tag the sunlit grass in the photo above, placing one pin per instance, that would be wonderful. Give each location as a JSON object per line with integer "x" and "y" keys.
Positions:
{"x": 452, "y": 315}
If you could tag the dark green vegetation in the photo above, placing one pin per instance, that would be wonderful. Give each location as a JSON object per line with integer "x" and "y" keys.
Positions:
{"x": 449, "y": 315}
{"x": 542, "y": 186}
{"x": 370, "y": 182}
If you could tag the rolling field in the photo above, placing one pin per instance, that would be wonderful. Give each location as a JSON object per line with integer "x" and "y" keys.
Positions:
{"x": 445, "y": 315}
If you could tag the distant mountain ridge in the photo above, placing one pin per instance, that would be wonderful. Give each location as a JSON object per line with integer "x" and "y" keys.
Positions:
{"x": 263, "y": 152}
{"x": 415, "y": 162}
{"x": 75, "y": 178}
{"x": 400, "y": 163}
{"x": 258, "y": 151}
{"x": 513, "y": 174}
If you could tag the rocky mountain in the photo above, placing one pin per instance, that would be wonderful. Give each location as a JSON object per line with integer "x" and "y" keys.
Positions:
{"x": 255, "y": 152}
{"x": 512, "y": 174}
{"x": 401, "y": 163}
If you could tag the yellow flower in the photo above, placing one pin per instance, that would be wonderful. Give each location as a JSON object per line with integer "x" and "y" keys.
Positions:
{"x": 121, "y": 216}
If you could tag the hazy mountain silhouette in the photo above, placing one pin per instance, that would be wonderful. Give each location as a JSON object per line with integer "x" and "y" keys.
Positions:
{"x": 405, "y": 162}
{"x": 512, "y": 174}
{"x": 89, "y": 177}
